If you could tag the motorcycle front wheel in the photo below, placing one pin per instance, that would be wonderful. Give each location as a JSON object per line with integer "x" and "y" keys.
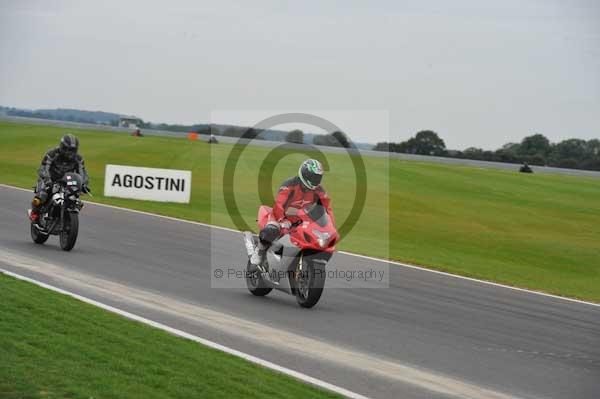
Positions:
{"x": 309, "y": 283}
{"x": 255, "y": 283}
{"x": 68, "y": 235}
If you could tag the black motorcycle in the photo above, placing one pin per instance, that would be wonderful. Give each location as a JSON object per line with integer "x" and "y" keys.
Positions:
{"x": 60, "y": 215}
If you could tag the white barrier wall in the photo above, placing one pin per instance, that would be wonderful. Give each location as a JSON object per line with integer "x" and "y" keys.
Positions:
{"x": 164, "y": 185}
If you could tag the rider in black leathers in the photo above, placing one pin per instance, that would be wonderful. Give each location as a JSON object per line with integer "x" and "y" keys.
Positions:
{"x": 56, "y": 162}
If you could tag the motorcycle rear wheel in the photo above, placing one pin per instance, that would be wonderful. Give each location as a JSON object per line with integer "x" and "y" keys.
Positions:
{"x": 256, "y": 284}
{"x": 37, "y": 236}
{"x": 68, "y": 236}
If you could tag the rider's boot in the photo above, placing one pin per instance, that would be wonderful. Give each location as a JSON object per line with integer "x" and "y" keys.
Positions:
{"x": 257, "y": 257}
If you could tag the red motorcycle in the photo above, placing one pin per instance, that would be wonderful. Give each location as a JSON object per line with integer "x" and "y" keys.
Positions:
{"x": 294, "y": 263}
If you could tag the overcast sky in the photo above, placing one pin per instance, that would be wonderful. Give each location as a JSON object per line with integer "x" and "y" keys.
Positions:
{"x": 479, "y": 73}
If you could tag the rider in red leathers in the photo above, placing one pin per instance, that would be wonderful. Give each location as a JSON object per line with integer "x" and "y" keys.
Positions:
{"x": 297, "y": 192}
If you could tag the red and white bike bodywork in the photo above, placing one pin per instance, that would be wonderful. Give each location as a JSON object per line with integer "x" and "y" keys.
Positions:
{"x": 294, "y": 263}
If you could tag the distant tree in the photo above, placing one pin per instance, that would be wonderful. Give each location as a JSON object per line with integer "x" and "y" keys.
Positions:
{"x": 231, "y": 131}
{"x": 335, "y": 139}
{"x": 205, "y": 129}
{"x": 536, "y": 144}
{"x": 536, "y": 159}
{"x": 242, "y": 132}
{"x": 214, "y": 129}
{"x": 593, "y": 148}
{"x": 251, "y": 133}
{"x": 489, "y": 156}
{"x": 383, "y": 146}
{"x": 591, "y": 164}
{"x": 568, "y": 163}
{"x": 503, "y": 155}
{"x": 295, "y": 136}
{"x": 509, "y": 152}
{"x": 341, "y": 138}
{"x": 573, "y": 149}
{"x": 389, "y": 147}
{"x": 511, "y": 148}
{"x": 144, "y": 125}
{"x": 323, "y": 139}
{"x": 473, "y": 153}
{"x": 406, "y": 147}
{"x": 426, "y": 142}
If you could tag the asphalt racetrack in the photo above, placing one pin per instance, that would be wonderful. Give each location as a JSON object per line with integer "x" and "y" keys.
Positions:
{"x": 427, "y": 335}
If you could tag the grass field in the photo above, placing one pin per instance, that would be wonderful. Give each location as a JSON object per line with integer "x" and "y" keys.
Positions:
{"x": 53, "y": 346}
{"x": 536, "y": 231}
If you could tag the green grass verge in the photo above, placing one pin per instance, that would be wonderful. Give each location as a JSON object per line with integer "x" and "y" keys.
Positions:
{"x": 54, "y": 346}
{"x": 536, "y": 231}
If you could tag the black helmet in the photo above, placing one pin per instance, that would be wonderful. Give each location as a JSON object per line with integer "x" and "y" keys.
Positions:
{"x": 311, "y": 173}
{"x": 68, "y": 146}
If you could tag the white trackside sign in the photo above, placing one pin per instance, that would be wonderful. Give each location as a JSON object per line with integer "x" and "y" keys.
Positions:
{"x": 165, "y": 185}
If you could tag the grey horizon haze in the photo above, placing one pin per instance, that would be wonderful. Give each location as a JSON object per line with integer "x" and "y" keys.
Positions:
{"x": 478, "y": 73}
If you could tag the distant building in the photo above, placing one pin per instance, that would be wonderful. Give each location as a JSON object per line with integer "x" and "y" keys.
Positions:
{"x": 129, "y": 121}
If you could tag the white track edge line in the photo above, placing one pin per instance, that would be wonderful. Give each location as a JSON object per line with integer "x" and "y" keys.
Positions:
{"x": 253, "y": 359}
{"x": 524, "y": 290}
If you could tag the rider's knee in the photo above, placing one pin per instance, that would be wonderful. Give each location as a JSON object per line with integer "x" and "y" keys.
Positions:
{"x": 269, "y": 233}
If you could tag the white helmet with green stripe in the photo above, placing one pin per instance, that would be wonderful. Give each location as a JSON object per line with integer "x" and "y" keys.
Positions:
{"x": 311, "y": 173}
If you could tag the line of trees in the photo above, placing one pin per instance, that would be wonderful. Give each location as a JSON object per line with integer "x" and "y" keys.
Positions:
{"x": 295, "y": 136}
{"x": 237, "y": 131}
{"x": 335, "y": 139}
{"x": 425, "y": 142}
{"x": 62, "y": 115}
{"x": 535, "y": 149}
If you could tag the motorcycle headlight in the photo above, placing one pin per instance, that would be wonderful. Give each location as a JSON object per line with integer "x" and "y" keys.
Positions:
{"x": 58, "y": 198}
{"x": 322, "y": 238}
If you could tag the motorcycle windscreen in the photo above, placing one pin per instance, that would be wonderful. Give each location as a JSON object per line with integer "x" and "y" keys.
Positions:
{"x": 317, "y": 213}
{"x": 73, "y": 182}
